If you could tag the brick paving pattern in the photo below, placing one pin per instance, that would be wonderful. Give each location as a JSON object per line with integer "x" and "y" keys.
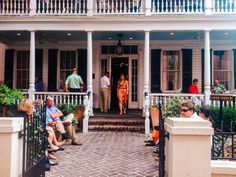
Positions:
{"x": 106, "y": 154}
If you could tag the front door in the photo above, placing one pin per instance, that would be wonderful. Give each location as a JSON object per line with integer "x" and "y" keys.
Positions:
{"x": 119, "y": 65}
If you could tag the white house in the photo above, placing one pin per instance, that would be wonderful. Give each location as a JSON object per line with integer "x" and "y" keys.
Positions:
{"x": 165, "y": 44}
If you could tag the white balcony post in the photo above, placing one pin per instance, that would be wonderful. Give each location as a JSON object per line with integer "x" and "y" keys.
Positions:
{"x": 90, "y": 7}
{"x": 208, "y": 7}
{"x": 32, "y": 66}
{"x": 207, "y": 68}
{"x": 32, "y": 7}
{"x": 146, "y": 79}
{"x": 90, "y": 68}
{"x": 148, "y": 7}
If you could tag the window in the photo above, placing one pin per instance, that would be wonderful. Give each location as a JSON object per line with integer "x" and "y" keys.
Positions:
{"x": 222, "y": 68}
{"x": 134, "y": 86}
{"x": 171, "y": 70}
{"x": 67, "y": 63}
{"x": 22, "y": 70}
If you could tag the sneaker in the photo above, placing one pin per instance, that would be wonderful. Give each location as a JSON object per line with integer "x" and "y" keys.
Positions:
{"x": 53, "y": 162}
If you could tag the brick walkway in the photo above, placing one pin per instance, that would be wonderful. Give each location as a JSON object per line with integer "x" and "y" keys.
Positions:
{"x": 106, "y": 154}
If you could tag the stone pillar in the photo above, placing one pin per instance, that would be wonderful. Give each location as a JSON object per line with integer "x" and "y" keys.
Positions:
{"x": 148, "y": 6}
{"x": 188, "y": 149}
{"x": 90, "y": 69}
{"x": 208, "y": 7}
{"x": 11, "y": 148}
{"x": 32, "y": 66}
{"x": 146, "y": 80}
{"x": 207, "y": 68}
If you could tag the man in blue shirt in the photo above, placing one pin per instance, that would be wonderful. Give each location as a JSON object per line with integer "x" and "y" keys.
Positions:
{"x": 55, "y": 115}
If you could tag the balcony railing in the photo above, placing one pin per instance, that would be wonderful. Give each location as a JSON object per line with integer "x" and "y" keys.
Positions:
{"x": 177, "y": 6}
{"x": 224, "y": 6}
{"x": 119, "y": 7}
{"x": 116, "y": 7}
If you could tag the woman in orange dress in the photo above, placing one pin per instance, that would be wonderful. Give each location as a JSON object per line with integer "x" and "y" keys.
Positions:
{"x": 122, "y": 93}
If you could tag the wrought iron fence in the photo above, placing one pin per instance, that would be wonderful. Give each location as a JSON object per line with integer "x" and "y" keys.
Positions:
{"x": 223, "y": 144}
{"x": 34, "y": 139}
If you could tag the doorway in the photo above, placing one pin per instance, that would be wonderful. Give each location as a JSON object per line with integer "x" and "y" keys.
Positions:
{"x": 119, "y": 65}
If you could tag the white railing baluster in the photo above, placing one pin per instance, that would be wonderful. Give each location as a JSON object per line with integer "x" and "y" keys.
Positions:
{"x": 171, "y": 5}
{"x": 162, "y": 6}
{"x": 67, "y": 7}
{"x": 11, "y": 7}
{"x": 47, "y": 6}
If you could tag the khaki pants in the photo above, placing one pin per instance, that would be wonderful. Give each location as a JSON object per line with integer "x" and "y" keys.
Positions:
{"x": 70, "y": 129}
{"x": 104, "y": 99}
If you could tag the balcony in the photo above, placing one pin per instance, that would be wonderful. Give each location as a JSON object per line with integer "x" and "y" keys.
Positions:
{"x": 115, "y": 7}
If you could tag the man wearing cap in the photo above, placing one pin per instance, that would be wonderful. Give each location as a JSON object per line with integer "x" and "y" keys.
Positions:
{"x": 74, "y": 82}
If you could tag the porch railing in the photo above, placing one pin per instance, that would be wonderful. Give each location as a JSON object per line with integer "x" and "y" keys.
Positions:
{"x": 61, "y": 97}
{"x": 162, "y": 98}
{"x": 177, "y": 6}
{"x": 119, "y": 7}
{"x": 224, "y": 6}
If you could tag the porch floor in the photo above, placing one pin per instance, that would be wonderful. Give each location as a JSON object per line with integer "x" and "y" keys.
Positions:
{"x": 106, "y": 154}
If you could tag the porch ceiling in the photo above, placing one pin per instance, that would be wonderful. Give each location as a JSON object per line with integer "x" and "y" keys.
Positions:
{"x": 53, "y": 36}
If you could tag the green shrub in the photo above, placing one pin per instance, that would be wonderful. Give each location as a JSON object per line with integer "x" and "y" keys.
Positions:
{"x": 172, "y": 107}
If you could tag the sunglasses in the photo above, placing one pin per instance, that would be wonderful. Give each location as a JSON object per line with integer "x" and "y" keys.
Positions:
{"x": 184, "y": 110}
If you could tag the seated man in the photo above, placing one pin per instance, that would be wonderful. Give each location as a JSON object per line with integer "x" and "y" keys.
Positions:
{"x": 55, "y": 115}
{"x": 217, "y": 87}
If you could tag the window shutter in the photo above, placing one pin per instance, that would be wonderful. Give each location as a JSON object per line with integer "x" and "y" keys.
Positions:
{"x": 9, "y": 61}
{"x": 52, "y": 70}
{"x": 155, "y": 70}
{"x": 82, "y": 64}
{"x": 186, "y": 69}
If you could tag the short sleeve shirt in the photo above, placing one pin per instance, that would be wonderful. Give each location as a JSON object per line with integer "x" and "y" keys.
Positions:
{"x": 74, "y": 81}
{"x": 105, "y": 82}
{"x": 53, "y": 110}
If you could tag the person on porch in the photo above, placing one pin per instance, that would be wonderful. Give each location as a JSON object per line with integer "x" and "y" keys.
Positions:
{"x": 217, "y": 87}
{"x": 74, "y": 82}
{"x": 122, "y": 93}
{"x": 105, "y": 92}
{"x": 193, "y": 87}
{"x": 55, "y": 115}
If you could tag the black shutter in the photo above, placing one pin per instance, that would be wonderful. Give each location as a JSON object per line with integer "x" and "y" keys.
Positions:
{"x": 187, "y": 69}
{"x": 202, "y": 58}
{"x": 155, "y": 70}
{"x": 39, "y": 63}
{"x": 9, "y": 61}
{"x": 234, "y": 68}
{"x": 52, "y": 70}
{"x": 82, "y": 64}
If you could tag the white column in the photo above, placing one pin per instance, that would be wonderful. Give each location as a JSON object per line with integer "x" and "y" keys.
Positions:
{"x": 32, "y": 66}
{"x": 146, "y": 82}
{"x": 32, "y": 7}
{"x": 207, "y": 68}
{"x": 90, "y": 7}
{"x": 208, "y": 7}
{"x": 90, "y": 69}
{"x": 148, "y": 7}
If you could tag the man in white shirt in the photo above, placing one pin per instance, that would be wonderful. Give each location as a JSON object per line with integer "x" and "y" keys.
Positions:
{"x": 105, "y": 87}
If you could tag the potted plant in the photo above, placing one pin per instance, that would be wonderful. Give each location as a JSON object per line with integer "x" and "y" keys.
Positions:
{"x": 8, "y": 97}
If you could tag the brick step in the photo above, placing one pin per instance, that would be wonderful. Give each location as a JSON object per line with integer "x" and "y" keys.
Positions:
{"x": 116, "y": 121}
{"x": 136, "y": 128}
{"x": 134, "y": 124}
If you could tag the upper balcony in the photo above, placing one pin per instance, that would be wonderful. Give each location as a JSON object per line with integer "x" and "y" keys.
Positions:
{"x": 115, "y": 7}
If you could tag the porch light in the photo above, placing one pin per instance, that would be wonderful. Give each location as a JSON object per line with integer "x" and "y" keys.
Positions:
{"x": 130, "y": 38}
{"x": 226, "y": 33}
{"x": 18, "y": 34}
{"x": 172, "y": 34}
{"x": 68, "y": 34}
{"x": 119, "y": 46}
{"x": 109, "y": 38}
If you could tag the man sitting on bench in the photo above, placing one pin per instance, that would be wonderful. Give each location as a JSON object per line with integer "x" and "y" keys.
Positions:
{"x": 55, "y": 115}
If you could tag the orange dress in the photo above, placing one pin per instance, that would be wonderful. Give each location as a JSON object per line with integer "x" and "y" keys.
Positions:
{"x": 122, "y": 90}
